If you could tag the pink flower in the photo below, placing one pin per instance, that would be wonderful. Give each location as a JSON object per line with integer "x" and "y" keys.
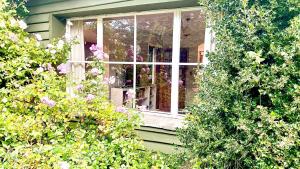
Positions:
{"x": 130, "y": 52}
{"x": 48, "y": 102}
{"x": 94, "y": 48}
{"x": 90, "y": 97}
{"x": 130, "y": 94}
{"x": 143, "y": 69}
{"x": 110, "y": 80}
{"x": 98, "y": 52}
{"x": 49, "y": 67}
{"x": 99, "y": 55}
{"x": 13, "y": 37}
{"x": 180, "y": 82}
{"x": 121, "y": 109}
{"x": 95, "y": 72}
{"x": 148, "y": 69}
{"x": 79, "y": 87}
{"x": 62, "y": 68}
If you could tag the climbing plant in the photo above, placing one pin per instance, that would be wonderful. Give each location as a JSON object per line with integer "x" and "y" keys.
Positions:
{"x": 247, "y": 111}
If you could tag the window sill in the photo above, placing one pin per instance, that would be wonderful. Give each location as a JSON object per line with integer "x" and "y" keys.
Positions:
{"x": 162, "y": 120}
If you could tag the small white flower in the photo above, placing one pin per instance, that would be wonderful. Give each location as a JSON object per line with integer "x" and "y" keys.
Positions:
{"x": 27, "y": 40}
{"x": 2, "y": 45}
{"x": 49, "y": 46}
{"x": 64, "y": 165}
{"x": 53, "y": 51}
{"x": 60, "y": 44}
{"x": 69, "y": 23}
{"x": 4, "y": 100}
{"x": 2, "y": 24}
{"x": 38, "y": 37}
{"x": 68, "y": 37}
{"x": 13, "y": 22}
{"x": 22, "y": 24}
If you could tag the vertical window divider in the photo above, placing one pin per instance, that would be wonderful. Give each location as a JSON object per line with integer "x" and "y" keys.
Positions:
{"x": 175, "y": 62}
{"x": 100, "y": 32}
{"x": 68, "y": 86}
{"x": 134, "y": 60}
{"x": 207, "y": 42}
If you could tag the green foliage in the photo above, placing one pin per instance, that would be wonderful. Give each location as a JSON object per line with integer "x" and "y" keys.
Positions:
{"x": 42, "y": 126}
{"x": 247, "y": 112}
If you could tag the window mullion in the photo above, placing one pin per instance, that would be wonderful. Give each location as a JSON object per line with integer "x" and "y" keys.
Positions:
{"x": 207, "y": 42}
{"x": 134, "y": 58}
{"x": 100, "y": 32}
{"x": 175, "y": 62}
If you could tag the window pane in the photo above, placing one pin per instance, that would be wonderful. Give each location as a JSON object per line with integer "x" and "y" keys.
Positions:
{"x": 187, "y": 86}
{"x": 120, "y": 79}
{"x": 118, "y": 36}
{"x": 90, "y": 38}
{"x": 192, "y": 37}
{"x": 154, "y": 87}
{"x": 154, "y": 37}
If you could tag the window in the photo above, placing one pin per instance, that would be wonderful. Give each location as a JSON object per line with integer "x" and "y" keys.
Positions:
{"x": 155, "y": 54}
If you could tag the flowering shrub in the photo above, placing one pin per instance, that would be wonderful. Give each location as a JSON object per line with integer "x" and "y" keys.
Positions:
{"x": 42, "y": 126}
{"x": 247, "y": 110}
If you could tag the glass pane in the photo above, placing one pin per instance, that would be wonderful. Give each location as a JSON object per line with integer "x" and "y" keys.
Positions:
{"x": 118, "y": 38}
{"x": 90, "y": 37}
{"x": 153, "y": 90}
{"x": 154, "y": 37}
{"x": 119, "y": 77}
{"x": 187, "y": 86}
{"x": 192, "y": 37}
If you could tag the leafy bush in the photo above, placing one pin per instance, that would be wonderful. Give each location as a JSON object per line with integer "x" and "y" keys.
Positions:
{"x": 247, "y": 112}
{"x": 42, "y": 126}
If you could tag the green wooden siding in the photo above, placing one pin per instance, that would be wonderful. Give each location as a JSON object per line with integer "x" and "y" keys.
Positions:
{"x": 48, "y": 17}
{"x": 157, "y": 139}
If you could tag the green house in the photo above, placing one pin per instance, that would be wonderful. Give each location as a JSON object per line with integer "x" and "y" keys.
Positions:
{"x": 152, "y": 48}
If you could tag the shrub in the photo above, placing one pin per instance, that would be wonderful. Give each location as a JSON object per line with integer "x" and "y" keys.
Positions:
{"x": 247, "y": 111}
{"x": 42, "y": 126}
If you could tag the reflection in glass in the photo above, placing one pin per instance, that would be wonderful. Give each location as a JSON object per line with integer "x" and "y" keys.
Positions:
{"x": 187, "y": 86}
{"x": 118, "y": 38}
{"x": 192, "y": 37}
{"x": 123, "y": 81}
{"x": 153, "y": 90}
{"x": 154, "y": 37}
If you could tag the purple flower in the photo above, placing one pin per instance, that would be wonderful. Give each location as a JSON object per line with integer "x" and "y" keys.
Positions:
{"x": 94, "y": 48}
{"x": 62, "y": 68}
{"x": 121, "y": 109}
{"x": 90, "y": 97}
{"x": 79, "y": 87}
{"x": 47, "y": 101}
{"x": 99, "y": 55}
{"x": 130, "y": 94}
{"x": 98, "y": 52}
{"x": 95, "y": 72}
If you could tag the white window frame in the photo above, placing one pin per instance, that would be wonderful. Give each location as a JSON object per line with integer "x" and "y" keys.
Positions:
{"x": 175, "y": 49}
